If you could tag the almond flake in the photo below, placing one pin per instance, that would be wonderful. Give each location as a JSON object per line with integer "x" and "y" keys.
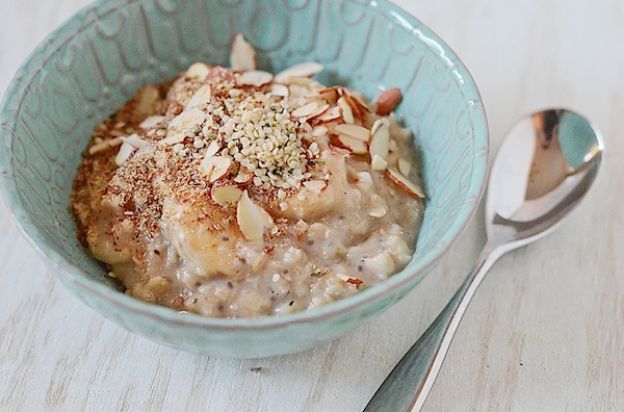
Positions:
{"x": 212, "y": 149}
{"x": 319, "y": 112}
{"x": 225, "y": 195}
{"x": 358, "y": 110}
{"x": 200, "y": 98}
{"x": 279, "y": 90}
{"x": 378, "y": 211}
{"x": 393, "y": 145}
{"x": 149, "y": 148}
{"x": 244, "y": 176}
{"x": 198, "y": 71}
{"x": 353, "y": 130}
{"x": 319, "y": 131}
{"x": 251, "y": 218}
{"x": 152, "y": 121}
{"x": 405, "y": 183}
{"x": 216, "y": 167}
{"x": 188, "y": 119}
{"x": 96, "y": 148}
{"x": 351, "y": 143}
{"x": 329, "y": 94}
{"x": 135, "y": 141}
{"x": 330, "y": 115}
{"x": 378, "y": 163}
{"x": 305, "y": 110}
{"x": 338, "y": 150}
{"x": 380, "y": 141}
{"x": 295, "y": 90}
{"x": 254, "y": 78}
{"x": 125, "y": 151}
{"x": 301, "y": 81}
{"x": 347, "y": 113}
{"x": 388, "y": 100}
{"x": 315, "y": 186}
{"x": 242, "y": 55}
{"x": 299, "y": 70}
{"x": 173, "y": 139}
{"x": 404, "y": 167}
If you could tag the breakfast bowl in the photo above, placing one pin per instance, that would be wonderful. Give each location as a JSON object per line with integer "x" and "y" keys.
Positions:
{"x": 84, "y": 71}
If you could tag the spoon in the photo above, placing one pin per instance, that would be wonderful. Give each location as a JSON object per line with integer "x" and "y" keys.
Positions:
{"x": 544, "y": 167}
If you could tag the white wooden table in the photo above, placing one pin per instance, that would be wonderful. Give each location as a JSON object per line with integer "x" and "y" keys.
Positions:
{"x": 545, "y": 333}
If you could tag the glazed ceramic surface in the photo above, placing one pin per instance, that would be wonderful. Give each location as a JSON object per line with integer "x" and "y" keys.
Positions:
{"x": 86, "y": 69}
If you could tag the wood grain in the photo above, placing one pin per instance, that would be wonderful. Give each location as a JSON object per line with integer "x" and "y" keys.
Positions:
{"x": 544, "y": 333}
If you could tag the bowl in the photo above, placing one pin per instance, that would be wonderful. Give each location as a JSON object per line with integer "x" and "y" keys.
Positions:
{"x": 90, "y": 66}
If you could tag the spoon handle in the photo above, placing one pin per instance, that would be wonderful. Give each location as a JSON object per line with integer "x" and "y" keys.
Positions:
{"x": 411, "y": 380}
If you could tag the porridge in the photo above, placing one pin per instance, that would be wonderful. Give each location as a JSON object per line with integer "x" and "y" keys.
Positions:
{"x": 239, "y": 193}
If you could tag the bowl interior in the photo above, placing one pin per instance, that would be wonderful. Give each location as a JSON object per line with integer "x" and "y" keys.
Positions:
{"x": 86, "y": 69}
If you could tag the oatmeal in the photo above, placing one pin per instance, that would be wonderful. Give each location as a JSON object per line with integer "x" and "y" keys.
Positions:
{"x": 239, "y": 193}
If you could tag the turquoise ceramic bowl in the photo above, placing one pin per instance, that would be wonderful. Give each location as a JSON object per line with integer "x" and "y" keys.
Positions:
{"x": 87, "y": 68}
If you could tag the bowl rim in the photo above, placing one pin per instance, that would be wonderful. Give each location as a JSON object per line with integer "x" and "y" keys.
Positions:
{"x": 399, "y": 280}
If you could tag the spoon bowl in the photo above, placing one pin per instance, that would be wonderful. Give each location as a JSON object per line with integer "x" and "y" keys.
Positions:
{"x": 545, "y": 166}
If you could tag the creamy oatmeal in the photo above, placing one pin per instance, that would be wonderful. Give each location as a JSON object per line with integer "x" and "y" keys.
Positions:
{"x": 237, "y": 193}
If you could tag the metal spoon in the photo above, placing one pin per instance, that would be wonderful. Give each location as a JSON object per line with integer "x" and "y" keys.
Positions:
{"x": 545, "y": 166}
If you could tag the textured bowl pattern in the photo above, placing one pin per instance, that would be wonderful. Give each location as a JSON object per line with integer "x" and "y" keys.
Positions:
{"x": 86, "y": 69}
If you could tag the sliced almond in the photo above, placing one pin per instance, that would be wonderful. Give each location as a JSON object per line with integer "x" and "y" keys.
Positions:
{"x": 188, "y": 119}
{"x": 329, "y": 94}
{"x": 305, "y": 110}
{"x": 380, "y": 142}
{"x": 279, "y": 90}
{"x": 294, "y": 90}
{"x": 353, "y": 130}
{"x": 330, "y": 115}
{"x": 388, "y": 100}
{"x": 319, "y": 131}
{"x": 198, "y": 71}
{"x": 216, "y": 167}
{"x": 300, "y": 70}
{"x": 244, "y": 176}
{"x": 404, "y": 166}
{"x": 242, "y": 55}
{"x": 125, "y": 151}
{"x": 347, "y": 113}
{"x": 404, "y": 183}
{"x": 254, "y": 78}
{"x": 201, "y": 97}
{"x": 393, "y": 145}
{"x": 212, "y": 149}
{"x": 315, "y": 186}
{"x": 135, "y": 141}
{"x": 321, "y": 109}
{"x": 173, "y": 139}
{"x": 365, "y": 179}
{"x": 338, "y": 150}
{"x": 226, "y": 195}
{"x": 149, "y": 148}
{"x": 378, "y": 163}
{"x": 350, "y": 143}
{"x": 357, "y": 109}
{"x": 250, "y": 218}
{"x": 99, "y": 147}
{"x": 378, "y": 211}
{"x": 151, "y": 122}
{"x": 300, "y": 81}
{"x": 359, "y": 103}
